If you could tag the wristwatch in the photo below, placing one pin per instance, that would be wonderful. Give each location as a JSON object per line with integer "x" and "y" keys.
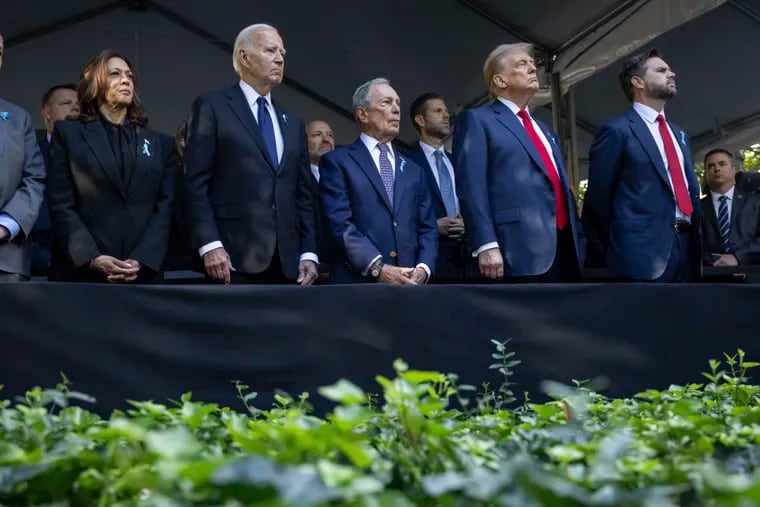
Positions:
{"x": 376, "y": 268}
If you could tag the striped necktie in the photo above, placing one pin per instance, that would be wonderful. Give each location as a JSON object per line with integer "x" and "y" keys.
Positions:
{"x": 724, "y": 223}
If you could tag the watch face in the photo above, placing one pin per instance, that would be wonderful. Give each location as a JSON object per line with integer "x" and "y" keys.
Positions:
{"x": 375, "y": 273}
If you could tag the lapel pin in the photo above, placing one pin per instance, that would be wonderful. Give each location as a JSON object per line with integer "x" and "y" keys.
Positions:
{"x": 4, "y": 115}
{"x": 146, "y": 148}
{"x": 401, "y": 164}
{"x": 285, "y": 119}
{"x": 683, "y": 138}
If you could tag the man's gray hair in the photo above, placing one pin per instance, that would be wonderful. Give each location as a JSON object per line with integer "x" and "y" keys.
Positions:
{"x": 361, "y": 95}
{"x": 244, "y": 40}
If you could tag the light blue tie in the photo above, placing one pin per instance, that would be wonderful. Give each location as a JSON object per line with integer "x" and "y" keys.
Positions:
{"x": 267, "y": 130}
{"x": 386, "y": 171}
{"x": 724, "y": 222}
{"x": 445, "y": 184}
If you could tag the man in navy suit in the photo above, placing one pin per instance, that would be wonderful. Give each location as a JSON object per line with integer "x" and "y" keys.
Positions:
{"x": 250, "y": 194}
{"x": 376, "y": 202}
{"x": 641, "y": 210}
{"x": 58, "y": 103}
{"x": 522, "y": 222}
{"x": 430, "y": 118}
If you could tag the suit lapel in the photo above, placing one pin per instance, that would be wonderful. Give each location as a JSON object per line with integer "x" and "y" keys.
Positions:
{"x": 287, "y": 143}
{"x": 144, "y": 148}
{"x": 363, "y": 159}
{"x": 642, "y": 133}
{"x": 507, "y": 118}
{"x": 3, "y": 134}
{"x": 242, "y": 110}
{"x": 95, "y": 136}
{"x": 399, "y": 180}
{"x": 710, "y": 216}
{"x": 736, "y": 207}
{"x": 430, "y": 175}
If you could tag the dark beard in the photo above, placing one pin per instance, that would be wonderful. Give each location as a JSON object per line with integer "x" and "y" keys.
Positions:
{"x": 661, "y": 92}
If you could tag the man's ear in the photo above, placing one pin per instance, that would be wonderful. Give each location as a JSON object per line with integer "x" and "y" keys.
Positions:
{"x": 419, "y": 120}
{"x": 361, "y": 115}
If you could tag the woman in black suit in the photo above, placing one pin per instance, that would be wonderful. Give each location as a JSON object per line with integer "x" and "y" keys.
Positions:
{"x": 110, "y": 182}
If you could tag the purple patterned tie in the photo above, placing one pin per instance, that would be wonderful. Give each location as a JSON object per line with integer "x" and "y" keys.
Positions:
{"x": 386, "y": 171}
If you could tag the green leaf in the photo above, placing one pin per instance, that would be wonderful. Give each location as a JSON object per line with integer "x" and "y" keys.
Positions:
{"x": 174, "y": 443}
{"x": 343, "y": 391}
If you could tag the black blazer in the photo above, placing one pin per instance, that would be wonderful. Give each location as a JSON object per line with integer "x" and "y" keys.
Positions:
{"x": 744, "y": 234}
{"x": 234, "y": 192}
{"x": 94, "y": 212}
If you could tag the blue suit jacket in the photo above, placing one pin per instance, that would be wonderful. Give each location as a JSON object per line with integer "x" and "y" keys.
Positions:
{"x": 505, "y": 192}
{"x": 360, "y": 220}
{"x": 629, "y": 208}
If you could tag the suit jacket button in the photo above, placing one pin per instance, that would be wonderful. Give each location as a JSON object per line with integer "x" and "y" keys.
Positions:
{"x": 393, "y": 254}
{"x": 395, "y": 224}
{"x": 274, "y": 207}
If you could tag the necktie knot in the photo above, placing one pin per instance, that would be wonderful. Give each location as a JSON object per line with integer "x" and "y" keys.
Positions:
{"x": 262, "y": 102}
{"x": 522, "y": 113}
{"x": 723, "y": 198}
{"x": 660, "y": 119}
{"x": 438, "y": 155}
{"x": 383, "y": 149}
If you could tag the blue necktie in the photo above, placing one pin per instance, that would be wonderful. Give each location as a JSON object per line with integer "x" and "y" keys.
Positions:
{"x": 724, "y": 222}
{"x": 386, "y": 171}
{"x": 445, "y": 184}
{"x": 267, "y": 129}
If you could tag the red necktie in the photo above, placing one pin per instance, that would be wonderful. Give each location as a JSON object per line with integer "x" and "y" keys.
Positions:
{"x": 559, "y": 195}
{"x": 674, "y": 167}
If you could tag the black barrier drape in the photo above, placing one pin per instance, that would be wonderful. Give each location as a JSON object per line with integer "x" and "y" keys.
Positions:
{"x": 154, "y": 342}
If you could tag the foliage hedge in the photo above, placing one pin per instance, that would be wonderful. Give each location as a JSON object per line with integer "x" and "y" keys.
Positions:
{"x": 425, "y": 441}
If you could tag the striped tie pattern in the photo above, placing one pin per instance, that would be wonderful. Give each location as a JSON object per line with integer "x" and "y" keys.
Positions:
{"x": 724, "y": 222}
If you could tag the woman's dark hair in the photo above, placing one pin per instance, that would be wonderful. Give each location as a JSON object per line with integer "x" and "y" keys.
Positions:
{"x": 93, "y": 86}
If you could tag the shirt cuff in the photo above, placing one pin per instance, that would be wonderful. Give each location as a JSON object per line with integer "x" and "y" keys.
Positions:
{"x": 426, "y": 268}
{"x": 483, "y": 248}
{"x": 9, "y": 223}
{"x": 309, "y": 256}
{"x": 208, "y": 247}
{"x": 366, "y": 269}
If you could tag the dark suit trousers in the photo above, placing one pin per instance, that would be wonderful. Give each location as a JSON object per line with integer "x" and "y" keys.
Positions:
{"x": 681, "y": 261}
{"x": 564, "y": 269}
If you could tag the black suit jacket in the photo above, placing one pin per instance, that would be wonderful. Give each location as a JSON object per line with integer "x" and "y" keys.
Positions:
{"x": 744, "y": 234}
{"x": 41, "y": 237}
{"x": 94, "y": 212}
{"x": 450, "y": 263}
{"x": 235, "y": 194}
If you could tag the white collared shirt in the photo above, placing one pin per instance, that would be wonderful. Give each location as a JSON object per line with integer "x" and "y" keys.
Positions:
{"x": 374, "y": 151}
{"x": 315, "y": 171}
{"x": 715, "y": 196}
{"x": 429, "y": 152}
{"x": 251, "y": 96}
{"x": 649, "y": 116}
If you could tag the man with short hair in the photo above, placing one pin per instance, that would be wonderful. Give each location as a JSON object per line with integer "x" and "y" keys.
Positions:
{"x": 641, "y": 209}
{"x": 522, "y": 221}
{"x": 321, "y": 140}
{"x": 58, "y": 103}
{"x": 430, "y": 118}
{"x": 249, "y": 192}
{"x": 21, "y": 188}
{"x": 731, "y": 225}
{"x": 376, "y": 201}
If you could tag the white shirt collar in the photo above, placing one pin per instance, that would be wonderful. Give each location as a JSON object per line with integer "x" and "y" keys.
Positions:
{"x": 371, "y": 144}
{"x": 511, "y": 105}
{"x": 647, "y": 112}
{"x": 429, "y": 150}
{"x": 251, "y": 95}
{"x": 730, "y": 194}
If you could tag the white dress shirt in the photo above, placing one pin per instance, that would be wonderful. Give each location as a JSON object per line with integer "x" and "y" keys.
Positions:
{"x": 315, "y": 171}
{"x": 251, "y": 96}
{"x": 516, "y": 109}
{"x": 649, "y": 116}
{"x": 372, "y": 146}
{"x": 715, "y": 196}
{"x": 429, "y": 152}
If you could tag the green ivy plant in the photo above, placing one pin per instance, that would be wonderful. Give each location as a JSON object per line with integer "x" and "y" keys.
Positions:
{"x": 423, "y": 440}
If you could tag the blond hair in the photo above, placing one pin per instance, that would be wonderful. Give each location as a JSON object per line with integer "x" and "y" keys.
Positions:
{"x": 495, "y": 61}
